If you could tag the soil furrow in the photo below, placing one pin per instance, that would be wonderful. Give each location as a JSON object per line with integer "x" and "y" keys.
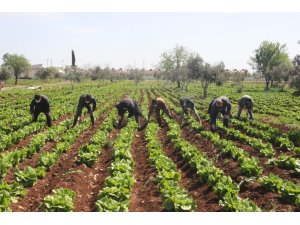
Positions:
{"x": 145, "y": 196}
{"x": 65, "y": 165}
{"x": 205, "y": 198}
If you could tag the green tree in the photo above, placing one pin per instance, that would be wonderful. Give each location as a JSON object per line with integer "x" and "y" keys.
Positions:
{"x": 296, "y": 74}
{"x": 209, "y": 75}
{"x": 282, "y": 74}
{"x": 73, "y": 58}
{"x": 238, "y": 78}
{"x": 5, "y": 73}
{"x": 173, "y": 64}
{"x": 74, "y": 74}
{"x": 194, "y": 66}
{"x": 266, "y": 57}
{"x": 48, "y": 73}
{"x": 137, "y": 75}
{"x": 18, "y": 63}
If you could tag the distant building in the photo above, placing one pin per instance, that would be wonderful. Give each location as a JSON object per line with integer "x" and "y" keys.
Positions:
{"x": 32, "y": 71}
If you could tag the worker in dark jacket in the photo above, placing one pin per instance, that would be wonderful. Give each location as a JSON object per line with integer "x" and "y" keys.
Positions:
{"x": 130, "y": 105}
{"x": 219, "y": 105}
{"x": 187, "y": 103}
{"x": 247, "y": 102}
{"x": 85, "y": 101}
{"x": 157, "y": 105}
{"x": 40, "y": 104}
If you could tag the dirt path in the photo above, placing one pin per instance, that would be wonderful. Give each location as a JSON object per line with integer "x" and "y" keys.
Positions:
{"x": 86, "y": 181}
{"x": 145, "y": 196}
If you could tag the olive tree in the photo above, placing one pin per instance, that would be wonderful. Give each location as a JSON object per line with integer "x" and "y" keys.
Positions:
{"x": 194, "y": 66}
{"x": 136, "y": 74}
{"x": 282, "y": 74}
{"x": 17, "y": 63}
{"x": 173, "y": 64}
{"x": 209, "y": 74}
{"x": 48, "y": 73}
{"x": 266, "y": 57}
{"x": 296, "y": 74}
{"x": 238, "y": 78}
{"x": 5, "y": 73}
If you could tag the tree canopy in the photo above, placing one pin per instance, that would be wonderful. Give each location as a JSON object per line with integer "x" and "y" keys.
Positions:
{"x": 173, "y": 64}
{"x": 18, "y": 63}
{"x": 267, "y": 56}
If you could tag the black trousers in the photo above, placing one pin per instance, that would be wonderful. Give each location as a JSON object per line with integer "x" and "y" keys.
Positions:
{"x": 158, "y": 115}
{"x": 48, "y": 117}
{"x": 79, "y": 112}
{"x": 121, "y": 117}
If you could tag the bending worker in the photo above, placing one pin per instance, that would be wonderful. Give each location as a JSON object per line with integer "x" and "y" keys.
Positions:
{"x": 247, "y": 102}
{"x": 187, "y": 103}
{"x": 40, "y": 104}
{"x": 219, "y": 105}
{"x": 130, "y": 105}
{"x": 157, "y": 105}
{"x": 85, "y": 101}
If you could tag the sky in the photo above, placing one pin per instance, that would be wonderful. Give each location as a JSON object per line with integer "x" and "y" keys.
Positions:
{"x": 137, "y": 39}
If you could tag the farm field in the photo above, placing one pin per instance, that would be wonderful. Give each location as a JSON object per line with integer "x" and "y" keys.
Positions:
{"x": 246, "y": 167}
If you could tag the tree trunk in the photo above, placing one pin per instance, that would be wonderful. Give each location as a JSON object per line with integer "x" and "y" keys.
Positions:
{"x": 16, "y": 79}
{"x": 205, "y": 92}
{"x": 267, "y": 84}
{"x": 186, "y": 87}
{"x": 178, "y": 83}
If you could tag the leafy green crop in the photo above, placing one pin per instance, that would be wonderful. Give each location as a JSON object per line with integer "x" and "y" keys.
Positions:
{"x": 29, "y": 175}
{"x": 61, "y": 200}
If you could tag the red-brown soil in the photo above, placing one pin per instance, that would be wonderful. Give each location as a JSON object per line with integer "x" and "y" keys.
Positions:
{"x": 268, "y": 201}
{"x": 205, "y": 198}
{"x": 145, "y": 196}
{"x": 65, "y": 170}
{"x": 28, "y": 138}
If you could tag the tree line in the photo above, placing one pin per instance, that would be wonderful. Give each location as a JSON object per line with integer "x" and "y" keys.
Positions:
{"x": 269, "y": 61}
